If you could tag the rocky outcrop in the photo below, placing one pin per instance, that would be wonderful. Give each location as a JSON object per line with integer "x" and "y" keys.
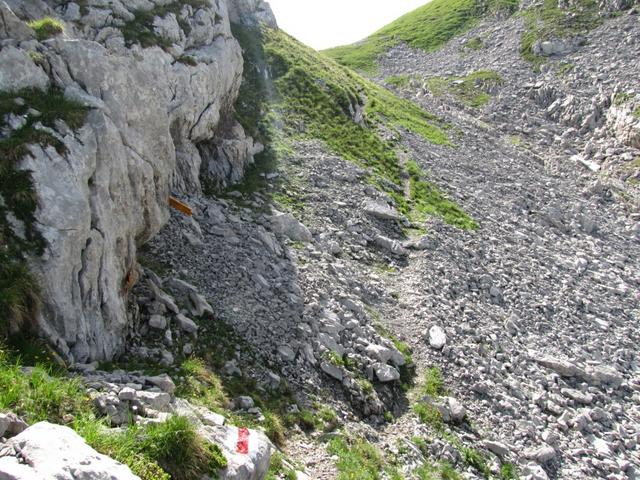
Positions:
{"x": 156, "y": 93}
{"x": 33, "y": 454}
{"x": 252, "y": 12}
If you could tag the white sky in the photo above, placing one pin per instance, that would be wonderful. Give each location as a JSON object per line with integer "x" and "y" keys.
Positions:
{"x": 329, "y": 23}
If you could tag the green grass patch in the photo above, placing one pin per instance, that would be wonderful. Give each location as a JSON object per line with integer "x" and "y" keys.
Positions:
{"x": 357, "y": 459}
{"x": 474, "y": 44}
{"x": 426, "y": 200}
{"x": 508, "y": 471}
{"x": 428, "y": 28}
{"x": 41, "y": 395}
{"x": 548, "y": 21}
{"x": 172, "y": 449}
{"x": 46, "y": 28}
{"x": 429, "y": 415}
{"x": 155, "y": 452}
{"x": 19, "y": 290}
{"x": 565, "y": 68}
{"x": 476, "y": 460}
{"x": 472, "y": 90}
{"x": 636, "y": 113}
{"x": 443, "y": 471}
{"x": 278, "y": 469}
{"x": 398, "y": 81}
{"x": 621, "y": 98}
{"x": 433, "y": 384}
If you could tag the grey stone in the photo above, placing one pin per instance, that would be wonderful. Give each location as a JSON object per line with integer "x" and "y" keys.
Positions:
{"x": 163, "y": 381}
{"x": 381, "y": 210}
{"x": 158, "y": 322}
{"x": 56, "y": 452}
{"x": 127, "y": 394}
{"x": 287, "y": 225}
{"x": 332, "y": 370}
{"x": 386, "y": 373}
{"x": 186, "y": 324}
{"x": 156, "y": 400}
{"x": 18, "y": 71}
{"x": 437, "y": 337}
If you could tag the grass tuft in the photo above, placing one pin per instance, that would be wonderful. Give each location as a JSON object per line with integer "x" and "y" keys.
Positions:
{"x": 46, "y": 28}
{"x": 474, "y": 459}
{"x": 433, "y": 383}
{"x": 472, "y": 90}
{"x": 357, "y": 459}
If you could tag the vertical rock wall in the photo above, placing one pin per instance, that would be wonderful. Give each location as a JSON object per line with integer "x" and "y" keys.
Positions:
{"x": 149, "y": 109}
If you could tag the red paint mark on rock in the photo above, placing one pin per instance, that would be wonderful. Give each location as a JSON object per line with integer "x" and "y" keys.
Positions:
{"x": 243, "y": 441}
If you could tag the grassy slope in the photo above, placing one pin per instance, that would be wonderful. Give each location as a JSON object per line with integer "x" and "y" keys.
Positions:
{"x": 547, "y": 21}
{"x": 428, "y": 28}
{"x": 313, "y": 97}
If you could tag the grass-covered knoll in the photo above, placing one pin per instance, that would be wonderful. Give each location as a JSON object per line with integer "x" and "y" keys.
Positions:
{"x": 428, "y": 28}
{"x": 46, "y": 28}
{"x": 472, "y": 90}
{"x": 311, "y": 96}
{"x": 547, "y": 21}
{"x": 140, "y": 28}
{"x": 19, "y": 292}
{"x": 156, "y": 452}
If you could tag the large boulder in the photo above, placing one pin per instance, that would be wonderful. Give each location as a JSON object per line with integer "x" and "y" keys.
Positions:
{"x": 248, "y": 452}
{"x": 47, "y": 451}
{"x": 288, "y": 226}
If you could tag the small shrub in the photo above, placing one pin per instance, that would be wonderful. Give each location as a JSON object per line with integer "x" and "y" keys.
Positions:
{"x": 329, "y": 417}
{"x": 366, "y": 386}
{"x": 46, "y": 28}
{"x": 448, "y": 472}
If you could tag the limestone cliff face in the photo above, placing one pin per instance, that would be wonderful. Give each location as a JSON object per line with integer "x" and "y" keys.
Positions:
{"x": 159, "y": 96}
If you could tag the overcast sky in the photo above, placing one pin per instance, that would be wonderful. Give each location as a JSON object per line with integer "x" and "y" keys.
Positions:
{"x": 329, "y": 23}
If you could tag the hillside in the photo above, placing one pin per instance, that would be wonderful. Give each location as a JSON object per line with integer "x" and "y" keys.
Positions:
{"x": 226, "y": 255}
{"x": 428, "y": 28}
